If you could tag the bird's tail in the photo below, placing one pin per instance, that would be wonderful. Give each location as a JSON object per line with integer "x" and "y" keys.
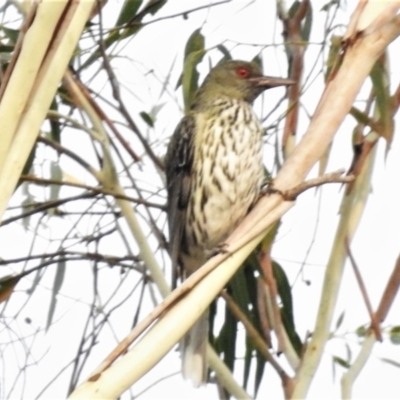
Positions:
{"x": 194, "y": 348}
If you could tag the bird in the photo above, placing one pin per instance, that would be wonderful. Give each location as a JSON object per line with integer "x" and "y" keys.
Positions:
{"x": 214, "y": 175}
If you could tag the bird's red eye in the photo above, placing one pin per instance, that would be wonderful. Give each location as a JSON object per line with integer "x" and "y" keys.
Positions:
{"x": 242, "y": 72}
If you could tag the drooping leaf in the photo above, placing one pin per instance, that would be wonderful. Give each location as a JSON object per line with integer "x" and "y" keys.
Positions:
{"x": 341, "y": 362}
{"x": 248, "y": 358}
{"x": 394, "y": 335}
{"x": 225, "y": 343}
{"x": 58, "y": 281}
{"x": 334, "y": 57}
{"x": 362, "y": 331}
{"x": 147, "y": 118}
{"x": 307, "y": 22}
{"x": 391, "y": 362}
{"x": 379, "y": 77}
{"x": 128, "y": 11}
{"x": 55, "y": 130}
{"x": 29, "y": 162}
{"x": 225, "y": 52}
{"x": 258, "y": 60}
{"x": 260, "y": 367}
{"x": 329, "y": 4}
{"x": 56, "y": 175}
{"x": 11, "y": 34}
{"x": 339, "y": 321}
{"x": 285, "y": 295}
{"x": 348, "y": 351}
{"x": 194, "y": 53}
{"x": 134, "y": 25}
{"x": 27, "y": 205}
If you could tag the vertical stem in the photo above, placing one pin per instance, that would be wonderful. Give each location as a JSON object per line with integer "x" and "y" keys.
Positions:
{"x": 352, "y": 208}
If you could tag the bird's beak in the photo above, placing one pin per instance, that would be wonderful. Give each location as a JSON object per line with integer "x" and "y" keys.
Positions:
{"x": 271, "y": 81}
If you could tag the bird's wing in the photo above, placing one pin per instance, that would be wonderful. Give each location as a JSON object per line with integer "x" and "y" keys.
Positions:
{"x": 178, "y": 166}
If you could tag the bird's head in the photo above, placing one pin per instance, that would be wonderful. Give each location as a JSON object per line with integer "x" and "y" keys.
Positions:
{"x": 239, "y": 80}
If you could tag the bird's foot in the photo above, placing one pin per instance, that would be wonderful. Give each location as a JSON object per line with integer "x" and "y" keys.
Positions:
{"x": 222, "y": 248}
{"x": 267, "y": 188}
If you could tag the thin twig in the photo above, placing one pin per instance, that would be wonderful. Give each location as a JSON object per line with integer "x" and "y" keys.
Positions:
{"x": 46, "y": 206}
{"x": 374, "y": 322}
{"x": 390, "y": 292}
{"x": 117, "y": 96}
{"x": 42, "y": 181}
{"x": 334, "y": 177}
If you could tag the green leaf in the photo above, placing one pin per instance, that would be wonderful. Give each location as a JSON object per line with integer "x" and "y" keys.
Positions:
{"x": 153, "y": 6}
{"x": 11, "y": 34}
{"x": 391, "y": 362}
{"x": 348, "y": 351}
{"x": 362, "y": 331}
{"x": 395, "y": 335}
{"x": 226, "y": 341}
{"x": 128, "y": 11}
{"x": 194, "y": 53}
{"x": 56, "y": 175}
{"x": 332, "y": 3}
{"x": 246, "y": 292}
{"x": 225, "y": 52}
{"x": 285, "y": 295}
{"x": 307, "y": 24}
{"x": 334, "y": 58}
{"x": 147, "y": 118}
{"x": 5, "y": 55}
{"x": 258, "y": 60}
{"x": 194, "y": 43}
{"x": 259, "y": 372}
{"x": 55, "y": 132}
{"x": 27, "y": 205}
{"x": 58, "y": 281}
{"x": 29, "y": 162}
{"x": 341, "y": 362}
{"x": 119, "y": 34}
{"x": 248, "y": 358}
{"x": 339, "y": 321}
{"x": 384, "y": 101}
{"x": 239, "y": 289}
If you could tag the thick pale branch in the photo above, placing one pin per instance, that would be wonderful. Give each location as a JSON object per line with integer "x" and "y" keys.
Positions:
{"x": 46, "y": 50}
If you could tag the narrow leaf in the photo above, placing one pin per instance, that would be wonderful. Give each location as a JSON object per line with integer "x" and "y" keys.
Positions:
{"x": 147, "y": 118}
{"x": 194, "y": 53}
{"x": 384, "y": 101}
{"x": 285, "y": 295}
{"x": 56, "y": 174}
{"x": 128, "y": 11}
{"x": 394, "y": 335}
{"x": 339, "y": 321}
{"x": 341, "y": 362}
{"x": 391, "y": 362}
{"x": 58, "y": 281}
